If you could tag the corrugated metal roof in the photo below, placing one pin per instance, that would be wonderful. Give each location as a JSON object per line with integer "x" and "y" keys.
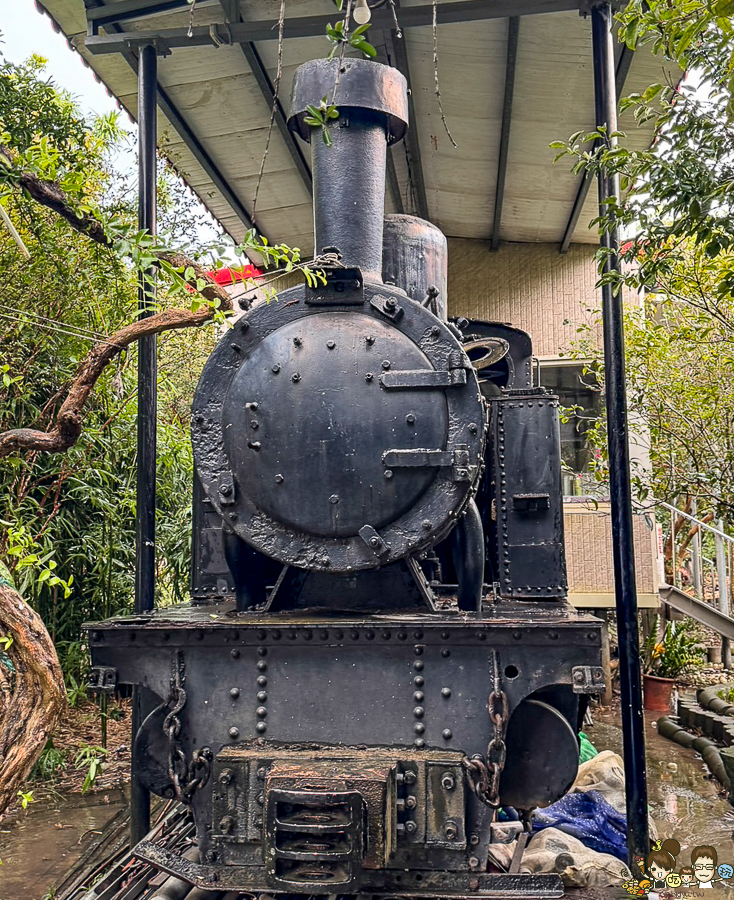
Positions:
{"x": 215, "y": 100}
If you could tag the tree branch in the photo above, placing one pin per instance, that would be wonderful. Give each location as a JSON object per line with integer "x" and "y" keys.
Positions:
{"x": 67, "y": 426}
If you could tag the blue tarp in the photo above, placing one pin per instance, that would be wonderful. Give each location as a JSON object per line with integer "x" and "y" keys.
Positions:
{"x": 588, "y": 817}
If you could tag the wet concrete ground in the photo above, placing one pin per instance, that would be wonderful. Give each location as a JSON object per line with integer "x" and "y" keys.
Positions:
{"x": 42, "y": 843}
{"x": 686, "y": 804}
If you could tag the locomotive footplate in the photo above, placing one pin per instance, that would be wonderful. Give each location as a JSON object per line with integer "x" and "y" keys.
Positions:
{"x": 417, "y": 884}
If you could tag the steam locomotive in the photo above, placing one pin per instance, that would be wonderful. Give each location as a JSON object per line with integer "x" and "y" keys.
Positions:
{"x": 379, "y": 652}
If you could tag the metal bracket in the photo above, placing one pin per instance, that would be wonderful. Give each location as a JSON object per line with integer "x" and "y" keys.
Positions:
{"x": 344, "y": 287}
{"x": 530, "y": 503}
{"x": 417, "y": 459}
{"x": 102, "y": 680}
{"x": 588, "y": 679}
{"x": 416, "y": 379}
{"x": 388, "y": 306}
{"x": 374, "y": 541}
{"x": 226, "y": 489}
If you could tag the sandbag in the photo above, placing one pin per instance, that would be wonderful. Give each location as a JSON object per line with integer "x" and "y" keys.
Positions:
{"x": 552, "y": 850}
{"x": 588, "y": 817}
{"x": 603, "y": 773}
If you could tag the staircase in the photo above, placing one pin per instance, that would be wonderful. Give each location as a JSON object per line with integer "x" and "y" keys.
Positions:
{"x": 704, "y": 597}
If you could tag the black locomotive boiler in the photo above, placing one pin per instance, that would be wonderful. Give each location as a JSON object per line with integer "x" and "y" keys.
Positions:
{"x": 379, "y": 651}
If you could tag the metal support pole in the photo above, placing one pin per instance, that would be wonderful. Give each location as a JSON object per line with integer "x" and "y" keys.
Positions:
{"x": 619, "y": 467}
{"x": 147, "y": 412}
{"x": 696, "y": 568}
{"x": 723, "y": 591}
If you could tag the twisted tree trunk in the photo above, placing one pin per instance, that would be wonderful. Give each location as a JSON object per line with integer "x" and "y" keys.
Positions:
{"x": 32, "y": 695}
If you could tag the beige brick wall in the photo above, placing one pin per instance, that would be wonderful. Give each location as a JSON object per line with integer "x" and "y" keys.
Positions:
{"x": 531, "y": 286}
{"x": 589, "y": 551}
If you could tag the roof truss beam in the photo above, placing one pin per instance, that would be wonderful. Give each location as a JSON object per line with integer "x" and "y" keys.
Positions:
{"x": 125, "y": 10}
{"x": 513, "y": 34}
{"x": 622, "y": 70}
{"x": 313, "y": 26}
{"x": 194, "y": 145}
{"x": 267, "y": 89}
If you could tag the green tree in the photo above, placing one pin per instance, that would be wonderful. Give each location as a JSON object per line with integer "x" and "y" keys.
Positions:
{"x": 676, "y": 208}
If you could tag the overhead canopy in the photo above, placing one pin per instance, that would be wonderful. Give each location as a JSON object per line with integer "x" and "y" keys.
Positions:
{"x": 514, "y": 76}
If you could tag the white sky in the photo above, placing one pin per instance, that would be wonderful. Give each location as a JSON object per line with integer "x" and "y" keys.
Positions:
{"x": 25, "y": 31}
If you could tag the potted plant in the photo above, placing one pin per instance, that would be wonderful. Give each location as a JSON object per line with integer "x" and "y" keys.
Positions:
{"x": 667, "y": 657}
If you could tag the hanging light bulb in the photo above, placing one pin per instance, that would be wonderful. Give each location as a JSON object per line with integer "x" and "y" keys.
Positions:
{"x": 362, "y": 12}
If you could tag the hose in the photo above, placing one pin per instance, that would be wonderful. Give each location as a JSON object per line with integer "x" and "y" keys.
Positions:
{"x": 708, "y": 749}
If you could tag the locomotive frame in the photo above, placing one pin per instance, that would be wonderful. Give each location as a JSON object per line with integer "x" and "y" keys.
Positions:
{"x": 185, "y": 657}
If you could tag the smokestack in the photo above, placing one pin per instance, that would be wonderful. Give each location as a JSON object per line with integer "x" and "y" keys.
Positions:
{"x": 415, "y": 258}
{"x": 349, "y": 175}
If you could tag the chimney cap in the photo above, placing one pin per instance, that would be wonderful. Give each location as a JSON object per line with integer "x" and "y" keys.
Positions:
{"x": 363, "y": 84}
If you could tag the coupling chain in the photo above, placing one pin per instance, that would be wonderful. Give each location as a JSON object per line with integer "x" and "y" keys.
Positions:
{"x": 186, "y": 777}
{"x": 484, "y": 772}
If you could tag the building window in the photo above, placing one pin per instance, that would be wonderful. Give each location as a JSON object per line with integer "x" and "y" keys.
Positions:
{"x": 581, "y": 401}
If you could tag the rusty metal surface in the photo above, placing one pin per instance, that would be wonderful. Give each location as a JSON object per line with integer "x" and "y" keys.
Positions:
{"x": 426, "y": 883}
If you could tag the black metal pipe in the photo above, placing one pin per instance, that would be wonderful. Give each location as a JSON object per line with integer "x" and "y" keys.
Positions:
{"x": 619, "y": 466}
{"x": 147, "y": 410}
{"x": 349, "y": 189}
{"x": 467, "y": 549}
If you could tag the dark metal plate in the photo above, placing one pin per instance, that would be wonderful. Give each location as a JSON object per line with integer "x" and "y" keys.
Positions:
{"x": 540, "y": 771}
{"x": 310, "y": 455}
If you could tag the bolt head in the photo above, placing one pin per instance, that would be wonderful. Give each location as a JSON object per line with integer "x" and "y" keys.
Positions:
{"x": 234, "y": 733}
{"x": 276, "y": 369}
{"x": 448, "y": 782}
{"x": 331, "y": 344}
{"x": 450, "y": 831}
{"x": 279, "y": 479}
{"x": 410, "y": 419}
{"x": 225, "y": 776}
{"x": 374, "y": 542}
{"x": 388, "y": 474}
{"x": 334, "y": 498}
{"x": 410, "y": 827}
{"x": 295, "y": 377}
{"x": 234, "y": 693}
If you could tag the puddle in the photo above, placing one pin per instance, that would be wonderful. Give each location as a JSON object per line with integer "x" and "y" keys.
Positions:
{"x": 42, "y": 844}
{"x": 685, "y": 804}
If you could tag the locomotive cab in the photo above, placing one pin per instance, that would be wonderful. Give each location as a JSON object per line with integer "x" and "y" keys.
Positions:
{"x": 379, "y": 652}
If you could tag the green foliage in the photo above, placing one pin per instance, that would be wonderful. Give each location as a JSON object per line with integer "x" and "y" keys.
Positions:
{"x": 319, "y": 117}
{"x": 67, "y": 523}
{"x": 90, "y": 758}
{"x": 26, "y": 798}
{"x": 678, "y": 652}
{"x": 49, "y": 765}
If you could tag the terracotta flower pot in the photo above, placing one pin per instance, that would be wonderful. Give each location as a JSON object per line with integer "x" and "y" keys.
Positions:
{"x": 657, "y": 692}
